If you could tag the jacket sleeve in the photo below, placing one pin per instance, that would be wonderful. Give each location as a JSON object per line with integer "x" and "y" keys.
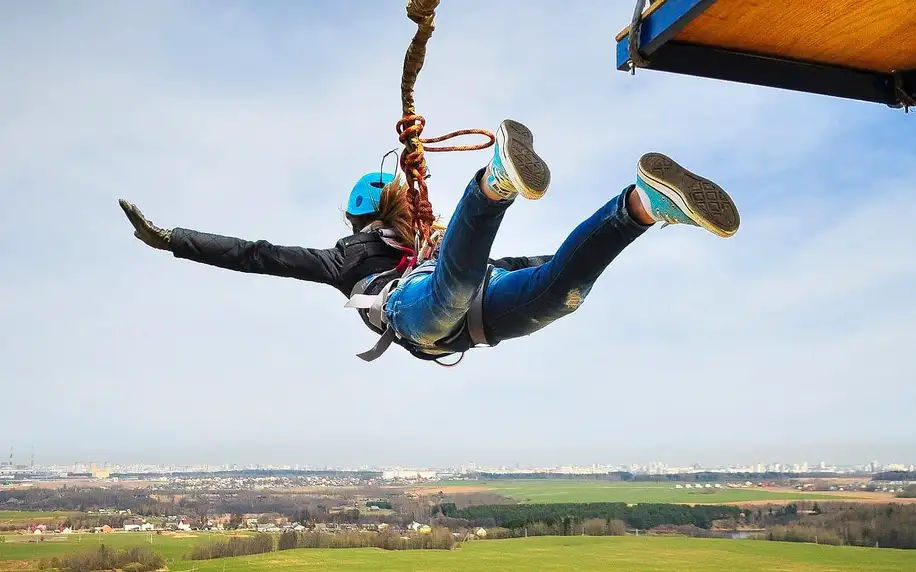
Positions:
{"x": 258, "y": 257}
{"x": 519, "y": 262}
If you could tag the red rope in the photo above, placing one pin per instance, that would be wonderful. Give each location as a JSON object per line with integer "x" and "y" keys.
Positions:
{"x": 413, "y": 163}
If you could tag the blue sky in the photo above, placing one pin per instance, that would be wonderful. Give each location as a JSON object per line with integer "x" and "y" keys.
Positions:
{"x": 791, "y": 341}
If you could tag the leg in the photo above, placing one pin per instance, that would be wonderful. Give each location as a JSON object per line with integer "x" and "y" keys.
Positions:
{"x": 522, "y": 302}
{"x": 427, "y": 308}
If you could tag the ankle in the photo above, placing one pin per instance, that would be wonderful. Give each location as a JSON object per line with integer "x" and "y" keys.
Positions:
{"x": 638, "y": 206}
{"x": 490, "y": 191}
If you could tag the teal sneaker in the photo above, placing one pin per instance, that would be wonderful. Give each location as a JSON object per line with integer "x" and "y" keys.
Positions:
{"x": 678, "y": 196}
{"x": 515, "y": 168}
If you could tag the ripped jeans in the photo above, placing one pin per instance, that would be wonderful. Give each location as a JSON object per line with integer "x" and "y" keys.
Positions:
{"x": 429, "y": 308}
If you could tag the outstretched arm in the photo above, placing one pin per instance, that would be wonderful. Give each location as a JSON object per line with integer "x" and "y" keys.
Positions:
{"x": 259, "y": 257}
{"x": 519, "y": 262}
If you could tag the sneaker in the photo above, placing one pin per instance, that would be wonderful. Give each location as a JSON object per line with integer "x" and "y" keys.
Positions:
{"x": 677, "y": 196}
{"x": 515, "y": 168}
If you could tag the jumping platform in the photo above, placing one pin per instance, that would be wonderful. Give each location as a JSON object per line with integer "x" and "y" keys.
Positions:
{"x": 855, "y": 49}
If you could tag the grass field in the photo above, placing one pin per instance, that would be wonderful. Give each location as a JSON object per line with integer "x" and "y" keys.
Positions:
{"x": 20, "y": 548}
{"x": 27, "y": 517}
{"x": 579, "y": 491}
{"x": 555, "y": 554}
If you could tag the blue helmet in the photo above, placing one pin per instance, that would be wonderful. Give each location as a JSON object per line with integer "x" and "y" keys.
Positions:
{"x": 366, "y": 193}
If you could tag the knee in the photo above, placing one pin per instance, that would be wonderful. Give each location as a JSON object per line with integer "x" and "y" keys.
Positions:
{"x": 564, "y": 305}
{"x": 573, "y": 299}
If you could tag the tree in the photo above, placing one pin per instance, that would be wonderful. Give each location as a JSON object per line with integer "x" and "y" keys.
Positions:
{"x": 236, "y": 521}
{"x": 616, "y": 527}
{"x": 595, "y": 527}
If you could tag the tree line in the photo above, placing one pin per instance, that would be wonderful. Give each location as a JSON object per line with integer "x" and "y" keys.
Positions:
{"x": 438, "y": 538}
{"x": 895, "y": 476}
{"x": 884, "y": 526}
{"x": 640, "y": 516}
{"x": 564, "y": 527}
{"x": 908, "y": 493}
{"x": 235, "y": 546}
{"x": 141, "y": 559}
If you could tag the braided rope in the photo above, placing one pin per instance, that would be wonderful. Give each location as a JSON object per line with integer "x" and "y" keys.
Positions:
{"x": 637, "y": 60}
{"x": 904, "y": 99}
{"x": 410, "y": 126}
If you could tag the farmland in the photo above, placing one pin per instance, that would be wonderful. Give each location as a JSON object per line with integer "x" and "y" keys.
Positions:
{"x": 584, "y": 491}
{"x": 27, "y": 517}
{"x": 21, "y": 548}
{"x": 558, "y": 554}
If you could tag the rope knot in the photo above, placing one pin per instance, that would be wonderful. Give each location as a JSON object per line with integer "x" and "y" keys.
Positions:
{"x": 410, "y": 127}
{"x": 421, "y": 11}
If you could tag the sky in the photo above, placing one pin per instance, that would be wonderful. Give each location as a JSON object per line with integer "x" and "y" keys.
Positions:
{"x": 792, "y": 341}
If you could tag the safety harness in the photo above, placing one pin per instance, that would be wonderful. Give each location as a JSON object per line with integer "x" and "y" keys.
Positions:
{"x": 370, "y": 303}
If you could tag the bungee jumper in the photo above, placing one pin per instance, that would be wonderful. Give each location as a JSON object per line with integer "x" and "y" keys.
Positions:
{"x": 433, "y": 289}
{"x": 460, "y": 297}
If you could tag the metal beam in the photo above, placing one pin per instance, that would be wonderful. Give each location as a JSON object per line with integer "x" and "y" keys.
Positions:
{"x": 754, "y": 69}
{"x": 659, "y": 25}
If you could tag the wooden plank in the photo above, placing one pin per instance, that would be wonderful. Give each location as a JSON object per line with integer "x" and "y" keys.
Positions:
{"x": 875, "y": 35}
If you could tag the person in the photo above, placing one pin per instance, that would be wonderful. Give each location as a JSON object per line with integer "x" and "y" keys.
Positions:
{"x": 461, "y": 298}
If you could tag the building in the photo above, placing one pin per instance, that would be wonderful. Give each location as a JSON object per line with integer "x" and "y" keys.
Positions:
{"x": 408, "y": 475}
{"x": 98, "y": 473}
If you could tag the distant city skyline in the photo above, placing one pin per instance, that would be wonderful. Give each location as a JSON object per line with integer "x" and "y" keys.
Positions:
{"x": 43, "y": 454}
{"x": 655, "y": 467}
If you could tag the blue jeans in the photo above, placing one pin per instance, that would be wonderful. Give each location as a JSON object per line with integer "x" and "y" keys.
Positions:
{"x": 429, "y": 309}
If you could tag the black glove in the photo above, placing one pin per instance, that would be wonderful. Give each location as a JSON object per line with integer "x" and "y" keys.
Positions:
{"x": 146, "y": 231}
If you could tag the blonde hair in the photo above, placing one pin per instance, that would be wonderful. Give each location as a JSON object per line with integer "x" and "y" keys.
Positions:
{"x": 394, "y": 213}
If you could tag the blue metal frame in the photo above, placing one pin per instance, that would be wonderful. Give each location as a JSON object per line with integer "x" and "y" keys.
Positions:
{"x": 667, "y": 20}
{"x": 660, "y": 26}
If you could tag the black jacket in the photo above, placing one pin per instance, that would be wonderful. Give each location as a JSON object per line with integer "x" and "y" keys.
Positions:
{"x": 353, "y": 257}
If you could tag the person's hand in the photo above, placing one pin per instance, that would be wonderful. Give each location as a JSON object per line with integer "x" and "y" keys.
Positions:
{"x": 146, "y": 231}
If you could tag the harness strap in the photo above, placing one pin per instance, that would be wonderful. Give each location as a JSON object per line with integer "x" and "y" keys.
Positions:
{"x": 390, "y": 237}
{"x": 380, "y": 347}
{"x": 374, "y": 306}
{"x": 475, "y": 312}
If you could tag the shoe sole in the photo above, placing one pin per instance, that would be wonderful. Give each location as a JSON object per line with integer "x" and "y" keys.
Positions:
{"x": 701, "y": 199}
{"x": 516, "y": 144}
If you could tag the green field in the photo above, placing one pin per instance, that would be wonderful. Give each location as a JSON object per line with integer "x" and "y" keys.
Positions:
{"x": 27, "y": 517}
{"x": 27, "y": 548}
{"x": 582, "y": 491}
{"x": 556, "y": 554}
